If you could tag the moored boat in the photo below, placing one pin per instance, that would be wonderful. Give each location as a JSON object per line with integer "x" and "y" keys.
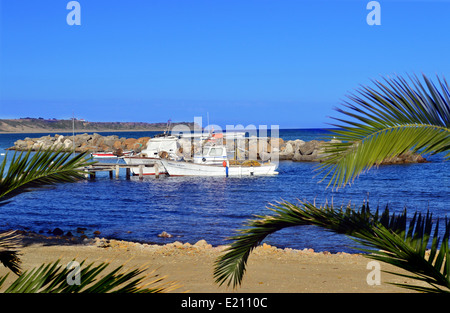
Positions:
{"x": 152, "y": 152}
{"x": 150, "y": 170}
{"x": 182, "y": 168}
{"x": 213, "y": 161}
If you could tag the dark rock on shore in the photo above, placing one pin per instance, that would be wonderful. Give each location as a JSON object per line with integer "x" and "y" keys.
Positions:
{"x": 57, "y": 232}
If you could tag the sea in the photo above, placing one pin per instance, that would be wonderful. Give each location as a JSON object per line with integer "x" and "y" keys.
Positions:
{"x": 195, "y": 208}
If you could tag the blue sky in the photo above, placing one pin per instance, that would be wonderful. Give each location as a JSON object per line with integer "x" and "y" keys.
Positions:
{"x": 280, "y": 62}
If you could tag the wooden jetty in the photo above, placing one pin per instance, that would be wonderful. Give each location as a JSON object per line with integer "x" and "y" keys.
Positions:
{"x": 112, "y": 168}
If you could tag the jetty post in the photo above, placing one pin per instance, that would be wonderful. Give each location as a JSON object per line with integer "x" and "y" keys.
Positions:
{"x": 141, "y": 171}
{"x": 156, "y": 170}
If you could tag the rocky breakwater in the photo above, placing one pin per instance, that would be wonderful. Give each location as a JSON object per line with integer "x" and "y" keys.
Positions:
{"x": 312, "y": 151}
{"x": 261, "y": 148}
{"x": 81, "y": 143}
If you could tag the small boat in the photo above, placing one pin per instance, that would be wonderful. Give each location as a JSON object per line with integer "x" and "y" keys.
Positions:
{"x": 180, "y": 168}
{"x": 152, "y": 153}
{"x": 214, "y": 162}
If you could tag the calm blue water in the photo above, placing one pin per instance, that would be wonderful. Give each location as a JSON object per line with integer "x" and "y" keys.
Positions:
{"x": 212, "y": 208}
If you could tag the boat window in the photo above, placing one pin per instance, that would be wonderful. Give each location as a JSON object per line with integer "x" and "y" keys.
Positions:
{"x": 215, "y": 152}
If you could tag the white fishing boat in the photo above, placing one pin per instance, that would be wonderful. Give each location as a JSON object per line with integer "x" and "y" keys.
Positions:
{"x": 181, "y": 168}
{"x": 149, "y": 169}
{"x": 156, "y": 146}
{"x": 214, "y": 162}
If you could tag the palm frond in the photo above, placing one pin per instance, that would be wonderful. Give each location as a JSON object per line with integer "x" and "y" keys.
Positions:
{"x": 27, "y": 172}
{"x": 385, "y": 122}
{"x": 9, "y": 250}
{"x": 230, "y": 267}
{"x": 388, "y": 237}
{"x": 94, "y": 278}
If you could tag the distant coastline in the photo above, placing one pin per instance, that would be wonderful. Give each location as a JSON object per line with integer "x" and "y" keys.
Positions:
{"x": 40, "y": 125}
{"x": 79, "y": 131}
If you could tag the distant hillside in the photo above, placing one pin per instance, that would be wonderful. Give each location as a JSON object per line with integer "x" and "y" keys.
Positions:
{"x": 36, "y": 125}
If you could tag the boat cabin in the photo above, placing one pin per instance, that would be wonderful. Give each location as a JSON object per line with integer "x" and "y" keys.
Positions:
{"x": 212, "y": 154}
{"x": 157, "y": 144}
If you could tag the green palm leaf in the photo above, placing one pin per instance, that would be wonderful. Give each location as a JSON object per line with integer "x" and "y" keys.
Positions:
{"x": 26, "y": 172}
{"x": 53, "y": 278}
{"x": 386, "y": 122}
{"x": 388, "y": 237}
{"x": 9, "y": 255}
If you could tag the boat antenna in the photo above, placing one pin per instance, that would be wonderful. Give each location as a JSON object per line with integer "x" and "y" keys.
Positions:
{"x": 73, "y": 133}
{"x": 168, "y": 126}
{"x": 207, "y": 119}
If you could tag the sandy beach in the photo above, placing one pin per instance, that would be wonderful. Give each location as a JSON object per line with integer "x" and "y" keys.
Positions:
{"x": 270, "y": 270}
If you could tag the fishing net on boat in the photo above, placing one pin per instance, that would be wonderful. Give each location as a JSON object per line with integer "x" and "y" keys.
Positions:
{"x": 245, "y": 162}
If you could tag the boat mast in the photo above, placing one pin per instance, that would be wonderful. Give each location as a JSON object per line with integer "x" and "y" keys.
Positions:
{"x": 73, "y": 133}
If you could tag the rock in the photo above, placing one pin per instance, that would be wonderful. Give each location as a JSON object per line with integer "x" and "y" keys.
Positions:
{"x": 264, "y": 156}
{"x": 117, "y": 145}
{"x": 57, "y": 232}
{"x": 110, "y": 140}
{"x": 288, "y": 152}
{"x": 177, "y": 244}
{"x": 141, "y": 143}
{"x": 81, "y": 230}
{"x": 68, "y": 144}
{"x": 202, "y": 244}
{"x": 297, "y": 143}
{"x": 305, "y": 158}
{"x": 130, "y": 143}
{"x": 21, "y": 144}
{"x": 276, "y": 142}
{"x": 97, "y": 232}
{"x": 165, "y": 235}
{"x": 307, "y": 148}
{"x": 289, "y": 148}
{"x": 405, "y": 158}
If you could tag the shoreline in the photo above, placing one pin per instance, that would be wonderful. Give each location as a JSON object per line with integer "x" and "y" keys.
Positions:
{"x": 80, "y": 131}
{"x": 131, "y": 130}
{"x": 190, "y": 266}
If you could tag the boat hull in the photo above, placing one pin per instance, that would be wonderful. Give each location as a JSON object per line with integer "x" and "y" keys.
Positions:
{"x": 108, "y": 155}
{"x": 149, "y": 170}
{"x": 175, "y": 168}
{"x": 140, "y": 160}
